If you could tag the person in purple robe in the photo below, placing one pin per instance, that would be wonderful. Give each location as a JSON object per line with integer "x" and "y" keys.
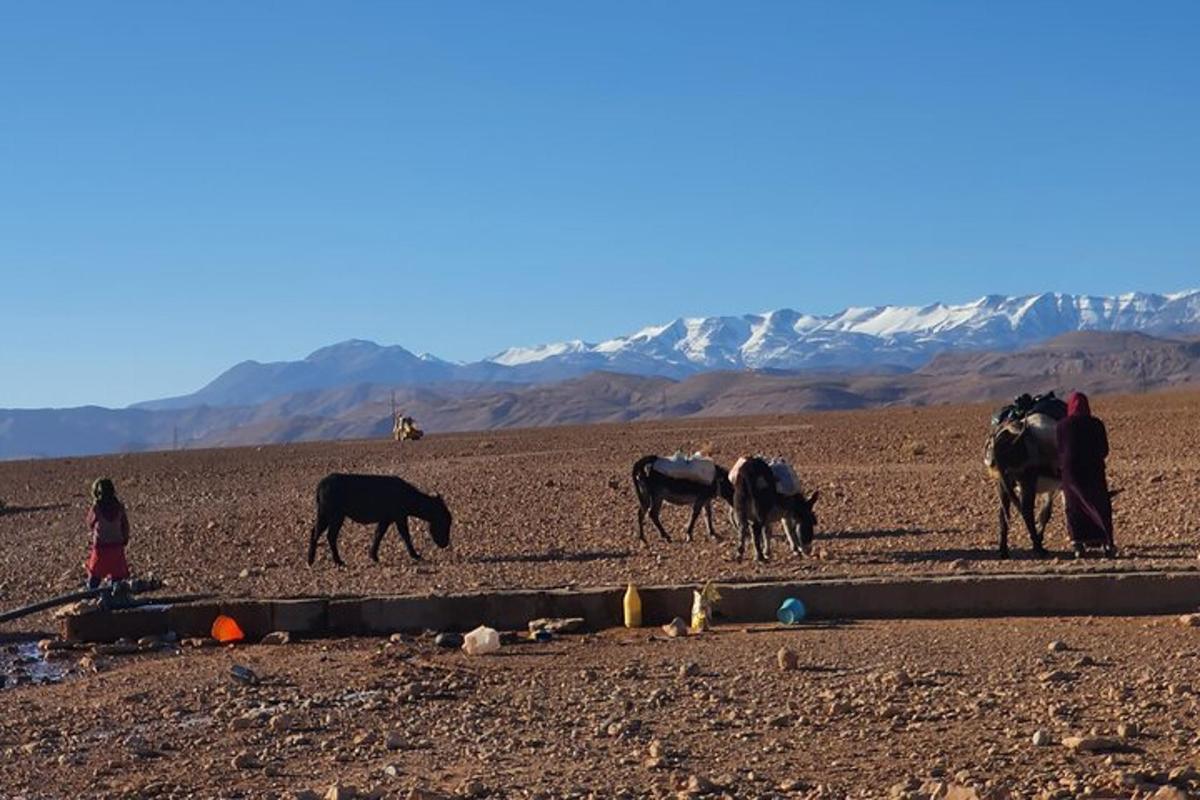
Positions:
{"x": 1082, "y": 449}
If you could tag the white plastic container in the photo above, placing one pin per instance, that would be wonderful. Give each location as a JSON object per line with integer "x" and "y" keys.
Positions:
{"x": 481, "y": 641}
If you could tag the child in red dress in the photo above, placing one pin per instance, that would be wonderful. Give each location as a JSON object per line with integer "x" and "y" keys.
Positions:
{"x": 108, "y": 529}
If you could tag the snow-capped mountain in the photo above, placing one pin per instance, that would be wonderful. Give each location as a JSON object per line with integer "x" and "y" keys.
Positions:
{"x": 855, "y": 339}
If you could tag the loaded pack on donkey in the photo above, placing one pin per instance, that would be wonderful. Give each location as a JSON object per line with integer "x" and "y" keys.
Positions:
{"x": 683, "y": 480}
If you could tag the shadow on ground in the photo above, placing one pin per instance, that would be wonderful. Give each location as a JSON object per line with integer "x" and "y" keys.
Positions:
{"x": 14, "y": 510}
{"x": 553, "y": 555}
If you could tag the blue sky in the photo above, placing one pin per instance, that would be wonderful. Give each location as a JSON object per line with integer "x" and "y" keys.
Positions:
{"x": 187, "y": 185}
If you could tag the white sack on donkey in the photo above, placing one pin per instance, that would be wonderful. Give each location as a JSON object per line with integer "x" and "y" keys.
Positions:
{"x": 786, "y": 482}
{"x": 694, "y": 468}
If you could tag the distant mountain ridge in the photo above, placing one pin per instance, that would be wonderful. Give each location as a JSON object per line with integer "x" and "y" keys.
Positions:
{"x": 881, "y": 338}
{"x": 1091, "y": 361}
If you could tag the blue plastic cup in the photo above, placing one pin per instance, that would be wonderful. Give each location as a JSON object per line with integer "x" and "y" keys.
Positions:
{"x": 791, "y": 611}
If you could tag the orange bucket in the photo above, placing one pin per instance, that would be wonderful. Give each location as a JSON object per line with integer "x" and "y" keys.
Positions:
{"x": 225, "y": 629}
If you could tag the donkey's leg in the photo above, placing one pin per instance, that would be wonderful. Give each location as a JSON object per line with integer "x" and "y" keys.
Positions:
{"x": 335, "y": 530}
{"x": 1044, "y": 516}
{"x": 760, "y": 541}
{"x": 1005, "y": 502}
{"x": 380, "y": 530}
{"x": 402, "y": 528}
{"x": 712, "y": 533}
{"x": 655, "y": 507}
{"x": 1028, "y": 501}
{"x": 696, "y": 508}
{"x": 315, "y": 537}
{"x": 742, "y": 526}
{"x": 642, "y": 523}
{"x": 789, "y": 530}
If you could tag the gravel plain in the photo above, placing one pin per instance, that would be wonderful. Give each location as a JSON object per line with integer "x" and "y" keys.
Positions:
{"x": 902, "y": 709}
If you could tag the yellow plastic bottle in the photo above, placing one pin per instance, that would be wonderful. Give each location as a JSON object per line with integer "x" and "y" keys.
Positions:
{"x": 633, "y": 607}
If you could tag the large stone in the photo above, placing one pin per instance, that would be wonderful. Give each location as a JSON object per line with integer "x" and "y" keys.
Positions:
{"x": 421, "y": 793}
{"x": 675, "y": 628}
{"x": 787, "y": 658}
{"x": 1091, "y": 744}
{"x": 341, "y": 791}
{"x": 1169, "y": 793}
{"x": 557, "y": 624}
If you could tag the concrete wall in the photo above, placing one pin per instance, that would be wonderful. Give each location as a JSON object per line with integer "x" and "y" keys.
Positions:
{"x": 1123, "y": 594}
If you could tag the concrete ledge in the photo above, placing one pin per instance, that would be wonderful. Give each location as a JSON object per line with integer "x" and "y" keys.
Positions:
{"x": 1093, "y": 594}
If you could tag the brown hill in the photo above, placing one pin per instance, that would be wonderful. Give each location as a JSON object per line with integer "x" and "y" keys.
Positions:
{"x": 1089, "y": 361}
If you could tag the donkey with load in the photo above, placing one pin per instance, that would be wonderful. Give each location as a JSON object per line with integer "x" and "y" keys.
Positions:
{"x": 1021, "y": 455}
{"x": 680, "y": 480}
{"x": 766, "y": 492}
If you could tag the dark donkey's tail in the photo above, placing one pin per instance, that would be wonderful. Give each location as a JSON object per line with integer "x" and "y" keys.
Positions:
{"x": 640, "y": 469}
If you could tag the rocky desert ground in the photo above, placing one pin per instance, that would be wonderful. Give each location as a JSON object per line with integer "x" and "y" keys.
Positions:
{"x": 905, "y": 709}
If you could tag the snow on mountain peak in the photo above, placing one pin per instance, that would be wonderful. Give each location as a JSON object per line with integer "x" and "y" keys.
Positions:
{"x": 864, "y": 336}
{"x": 515, "y": 356}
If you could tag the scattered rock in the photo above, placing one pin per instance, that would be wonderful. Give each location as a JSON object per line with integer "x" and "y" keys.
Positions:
{"x": 281, "y": 723}
{"x": 471, "y": 788}
{"x": 1181, "y": 776}
{"x": 557, "y": 625}
{"x": 689, "y": 669}
{"x": 277, "y": 637}
{"x": 243, "y": 674}
{"x": 245, "y": 761}
{"x": 199, "y": 641}
{"x": 788, "y": 660}
{"x": 395, "y": 740}
{"x": 420, "y": 793}
{"x": 1057, "y": 676}
{"x": 1090, "y": 744}
{"x": 1127, "y": 730}
{"x": 1169, "y": 793}
{"x": 1041, "y": 738}
{"x": 675, "y": 628}
{"x": 340, "y": 791}
{"x": 1056, "y": 646}
{"x": 1190, "y": 620}
{"x": 448, "y": 640}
